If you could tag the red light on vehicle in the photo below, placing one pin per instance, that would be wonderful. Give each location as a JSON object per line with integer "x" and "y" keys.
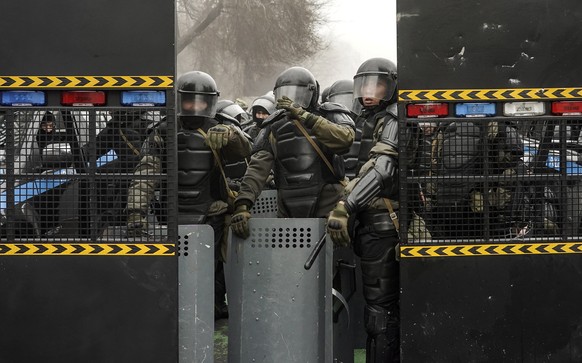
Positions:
{"x": 567, "y": 108}
{"x": 422, "y": 110}
{"x": 83, "y": 98}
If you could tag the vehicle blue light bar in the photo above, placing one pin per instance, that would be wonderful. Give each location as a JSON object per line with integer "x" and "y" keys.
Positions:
{"x": 23, "y": 98}
{"x": 475, "y": 109}
{"x": 143, "y": 98}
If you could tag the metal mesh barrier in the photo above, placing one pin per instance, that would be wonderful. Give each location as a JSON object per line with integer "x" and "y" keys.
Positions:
{"x": 65, "y": 173}
{"x": 279, "y": 312}
{"x": 493, "y": 180}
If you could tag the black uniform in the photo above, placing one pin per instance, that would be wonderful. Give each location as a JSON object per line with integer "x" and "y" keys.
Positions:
{"x": 306, "y": 186}
{"x": 368, "y": 199}
{"x": 202, "y": 191}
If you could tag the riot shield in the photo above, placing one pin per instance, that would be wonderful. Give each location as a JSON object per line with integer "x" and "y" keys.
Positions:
{"x": 266, "y": 205}
{"x": 279, "y": 311}
{"x": 196, "y": 293}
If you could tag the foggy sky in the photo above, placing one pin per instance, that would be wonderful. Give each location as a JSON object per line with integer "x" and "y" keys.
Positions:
{"x": 359, "y": 30}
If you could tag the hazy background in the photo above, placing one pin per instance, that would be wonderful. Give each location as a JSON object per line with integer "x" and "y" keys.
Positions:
{"x": 245, "y": 44}
{"x": 356, "y": 31}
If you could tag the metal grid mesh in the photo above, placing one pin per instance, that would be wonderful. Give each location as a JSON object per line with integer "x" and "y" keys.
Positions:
{"x": 493, "y": 180}
{"x": 65, "y": 173}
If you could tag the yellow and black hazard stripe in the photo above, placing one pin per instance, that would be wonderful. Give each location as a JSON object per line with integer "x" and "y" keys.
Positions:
{"x": 505, "y": 249}
{"x": 86, "y": 249}
{"x": 500, "y": 94}
{"x": 37, "y": 82}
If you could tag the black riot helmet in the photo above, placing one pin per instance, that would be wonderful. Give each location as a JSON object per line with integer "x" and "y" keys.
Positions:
{"x": 231, "y": 109}
{"x": 325, "y": 95}
{"x": 342, "y": 92}
{"x": 298, "y": 84}
{"x": 376, "y": 78}
{"x": 197, "y": 95}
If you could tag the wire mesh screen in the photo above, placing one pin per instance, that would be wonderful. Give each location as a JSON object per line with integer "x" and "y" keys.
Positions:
{"x": 491, "y": 180}
{"x": 66, "y": 173}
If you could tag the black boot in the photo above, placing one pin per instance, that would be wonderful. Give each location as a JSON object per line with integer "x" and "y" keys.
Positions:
{"x": 383, "y": 343}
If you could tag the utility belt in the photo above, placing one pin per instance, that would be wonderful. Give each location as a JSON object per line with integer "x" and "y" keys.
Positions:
{"x": 377, "y": 220}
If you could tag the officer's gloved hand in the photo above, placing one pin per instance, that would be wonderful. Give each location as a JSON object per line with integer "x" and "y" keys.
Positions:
{"x": 240, "y": 221}
{"x": 218, "y": 137}
{"x": 294, "y": 109}
{"x": 337, "y": 225}
{"x": 136, "y": 225}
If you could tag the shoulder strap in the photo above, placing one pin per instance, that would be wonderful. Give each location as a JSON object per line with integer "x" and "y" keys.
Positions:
{"x": 133, "y": 148}
{"x": 317, "y": 149}
{"x": 231, "y": 194}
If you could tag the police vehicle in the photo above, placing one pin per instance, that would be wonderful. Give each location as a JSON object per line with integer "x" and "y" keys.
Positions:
{"x": 496, "y": 86}
{"x": 81, "y": 85}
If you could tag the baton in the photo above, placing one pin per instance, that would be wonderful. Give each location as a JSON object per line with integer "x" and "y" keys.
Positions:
{"x": 315, "y": 252}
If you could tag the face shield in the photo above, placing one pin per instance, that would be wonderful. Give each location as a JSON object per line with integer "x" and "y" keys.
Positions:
{"x": 235, "y": 111}
{"x": 346, "y": 98}
{"x": 299, "y": 94}
{"x": 195, "y": 104}
{"x": 373, "y": 86}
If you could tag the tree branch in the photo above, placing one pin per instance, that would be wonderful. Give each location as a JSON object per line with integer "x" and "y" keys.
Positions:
{"x": 196, "y": 30}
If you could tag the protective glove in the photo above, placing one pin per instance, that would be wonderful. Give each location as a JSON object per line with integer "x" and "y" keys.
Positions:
{"x": 297, "y": 112}
{"x": 136, "y": 225}
{"x": 218, "y": 137}
{"x": 337, "y": 225}
{"x": 294, "y": 109}
{"x": 240, "y": 221}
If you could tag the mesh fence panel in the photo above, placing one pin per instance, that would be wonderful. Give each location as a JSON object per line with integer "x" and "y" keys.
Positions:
{"x": 492, "y": 180}
{"x": 66, "y": 173}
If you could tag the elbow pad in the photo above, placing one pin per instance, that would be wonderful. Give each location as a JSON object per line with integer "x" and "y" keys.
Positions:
{"x": 382, "y": 179}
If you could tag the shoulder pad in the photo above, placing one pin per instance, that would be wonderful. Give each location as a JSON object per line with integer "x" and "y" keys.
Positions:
{"x": 262, "y": 140}
{"x": 226, "y": 119}
{"x": 333, "y": 107}
{"x": 275, "y": 116}
{"x": 392, "y": 110}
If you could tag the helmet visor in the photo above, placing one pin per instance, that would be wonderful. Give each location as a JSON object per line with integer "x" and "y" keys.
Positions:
{"x": 194, "y": 104}
{"x": 233, "y": 110}
{"x": 373, "y": 86}
{"x": 299, "y": 94}
{"x": 345, "y": 99}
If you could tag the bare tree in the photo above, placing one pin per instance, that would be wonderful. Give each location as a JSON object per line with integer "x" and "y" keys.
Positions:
{"x": 244, "y": 44}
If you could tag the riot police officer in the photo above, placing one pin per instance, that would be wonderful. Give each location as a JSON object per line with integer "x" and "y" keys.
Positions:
{"x": 372, "y": 199}
{"x": 232, "y": 109}
{"x": 204, "y": 140}
{"x": 301, "y": 143}
{"x": 123, "y": 134}
{"x": 341, "y": 92}
{"x": 234, "y": 170}
{"x": 261, "y": 108}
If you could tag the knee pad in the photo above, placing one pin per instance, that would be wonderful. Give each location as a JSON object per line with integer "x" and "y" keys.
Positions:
{"x": 381, "y": 279}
